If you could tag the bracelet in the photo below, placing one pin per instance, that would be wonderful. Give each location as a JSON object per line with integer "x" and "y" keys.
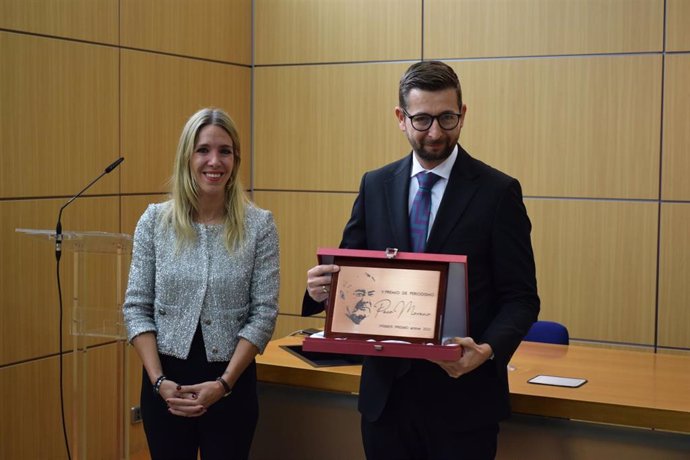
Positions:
{"x": 157, "y": 385}
{"x": 226, "y": 387}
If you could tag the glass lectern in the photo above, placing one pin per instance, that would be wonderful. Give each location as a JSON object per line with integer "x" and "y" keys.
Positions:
{"x": 99, "y": 259}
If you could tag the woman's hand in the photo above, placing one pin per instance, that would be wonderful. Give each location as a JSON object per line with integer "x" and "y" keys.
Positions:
{"x": 180, "y": 402}
{"x": 193, "y": 400}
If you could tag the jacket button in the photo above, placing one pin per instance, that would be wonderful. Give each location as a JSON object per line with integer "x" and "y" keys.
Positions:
{"x": 214, "y": 350}
{"x": 161, "y": 311}
{"x": 207, "y": 322}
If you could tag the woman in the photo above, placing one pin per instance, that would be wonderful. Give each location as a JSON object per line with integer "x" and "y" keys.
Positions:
{"x": 202, "y": 300}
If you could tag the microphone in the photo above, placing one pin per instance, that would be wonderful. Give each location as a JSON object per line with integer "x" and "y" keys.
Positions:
{"x": 58, "y": 227}
{"x": 115, "y": 164}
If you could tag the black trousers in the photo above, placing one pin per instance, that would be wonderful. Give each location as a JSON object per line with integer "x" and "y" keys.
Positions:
{"x": 406, "y": 431}
{"x": 225, "y": 431}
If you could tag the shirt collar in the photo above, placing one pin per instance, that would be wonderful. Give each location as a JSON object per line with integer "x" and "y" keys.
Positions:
{"x": 442, "y": 170}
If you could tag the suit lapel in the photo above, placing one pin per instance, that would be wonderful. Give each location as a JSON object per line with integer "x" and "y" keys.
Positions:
{"x": 462, "y": 186}
{"x": 396, "y": 191}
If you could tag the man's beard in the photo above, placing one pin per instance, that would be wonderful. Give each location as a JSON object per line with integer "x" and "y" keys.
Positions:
{"x": 439, "y": 156}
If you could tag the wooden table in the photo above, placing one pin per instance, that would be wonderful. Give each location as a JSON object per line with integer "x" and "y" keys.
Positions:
{"x": 624, "y": 387}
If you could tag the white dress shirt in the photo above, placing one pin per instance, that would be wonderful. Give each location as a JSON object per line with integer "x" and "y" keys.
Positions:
{"x": 439, "y": 188}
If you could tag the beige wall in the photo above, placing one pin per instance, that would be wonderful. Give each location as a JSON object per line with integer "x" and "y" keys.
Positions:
{"x": 584, "y": 101}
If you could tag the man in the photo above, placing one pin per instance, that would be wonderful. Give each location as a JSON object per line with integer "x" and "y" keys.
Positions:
{"x": 417, "y": 409}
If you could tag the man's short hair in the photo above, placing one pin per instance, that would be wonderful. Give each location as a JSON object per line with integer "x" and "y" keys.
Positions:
{"x": 428, "y": 76}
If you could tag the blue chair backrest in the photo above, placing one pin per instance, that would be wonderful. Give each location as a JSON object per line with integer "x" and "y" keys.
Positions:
{"x": 548, "y": 332}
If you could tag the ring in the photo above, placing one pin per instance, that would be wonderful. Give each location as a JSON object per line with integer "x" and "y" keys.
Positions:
{"x": 324, "y": 289}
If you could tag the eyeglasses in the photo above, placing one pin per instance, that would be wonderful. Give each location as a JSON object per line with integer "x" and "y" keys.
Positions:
{"x": 423, "y": 121}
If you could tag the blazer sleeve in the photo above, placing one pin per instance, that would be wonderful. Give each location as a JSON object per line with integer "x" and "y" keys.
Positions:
{"x": 265, "y": 285}
{"x": 515, "y": 281}
{"x": 139, "y": 297}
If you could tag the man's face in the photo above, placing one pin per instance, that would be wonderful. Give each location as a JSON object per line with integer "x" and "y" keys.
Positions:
{"x": 363, "y": 295}
{"x": 434, "y": 145}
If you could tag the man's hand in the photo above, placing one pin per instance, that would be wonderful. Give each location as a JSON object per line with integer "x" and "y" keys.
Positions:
{"x": 319, "y": 281}
{"x": 473, "y": 356}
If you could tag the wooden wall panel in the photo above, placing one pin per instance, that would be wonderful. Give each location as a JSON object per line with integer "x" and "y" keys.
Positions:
{"x": 213, "y": 29}
{"x": 59, "y": 125}
{"x": 29, "y": 305}
{"x": 158, "y": 94}
{"x": 581, "y": 127}
{"x": 309, "y": 136}
{"x": 89, "y": 20}
{"x": 596, "y": 267}
{"x": 133, "y": 207}
{"x": 33, "y": 410}
{"x": 674, "y": 273}
{"x": 137, "y": 438}
{"x": 32, "y": 428}
{"x": 676, "y": 157}
{"x": 306, "y": 222}
{"x": 480, "y": 28}
{"x": 677, "y": 20}
{"x": 311, "y": 31}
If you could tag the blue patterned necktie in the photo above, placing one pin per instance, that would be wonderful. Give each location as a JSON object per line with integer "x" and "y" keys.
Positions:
{"x": 421, "y": 207}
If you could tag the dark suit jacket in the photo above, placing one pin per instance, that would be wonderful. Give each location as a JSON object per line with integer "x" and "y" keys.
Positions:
{"x": 482, "y": 216}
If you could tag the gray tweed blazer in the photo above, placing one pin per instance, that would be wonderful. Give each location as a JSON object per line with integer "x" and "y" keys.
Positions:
{"x": 231, "y": 295}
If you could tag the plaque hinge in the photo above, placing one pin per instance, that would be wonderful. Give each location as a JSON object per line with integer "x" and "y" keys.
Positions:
{"x": 391, "y": 253}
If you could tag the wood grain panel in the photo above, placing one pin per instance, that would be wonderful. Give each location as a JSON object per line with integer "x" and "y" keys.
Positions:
{"x": 29, "y": 305}
{"x": 211, "y": 29}
{"x": 34, "y": 408}
{"x": 306, "y": 222}
{"x": 611, "y": 346}
{"x": 159, "y": 94}
{"x": 666, "y": 351}
{"x": 596, "y": 267}
{"x": 579, "y": 127}
{"x": 309, "y": 31}
{"x": 674, "y": 273}
{"x": 677, "y": 20}
{"x": 676, "y": 157}
{"x": 480, "y": 28}
{"x": 59, "y": 111}
{"x": 133, "y": 207}
{"x": 90, "y": 20}
{"x": 137, "y": 438}
{"x": 322, "y": 127}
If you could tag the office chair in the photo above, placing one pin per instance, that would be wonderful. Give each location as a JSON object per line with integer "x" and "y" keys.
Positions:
{"x": 548, "y": 332}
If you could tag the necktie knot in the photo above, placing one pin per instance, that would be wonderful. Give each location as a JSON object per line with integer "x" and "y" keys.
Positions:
{"x": 427, "y": 180}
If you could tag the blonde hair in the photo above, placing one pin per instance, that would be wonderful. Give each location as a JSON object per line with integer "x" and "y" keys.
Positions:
{"x": 185, "y": 190}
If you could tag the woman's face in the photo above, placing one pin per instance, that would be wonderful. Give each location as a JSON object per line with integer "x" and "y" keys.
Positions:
{"x": 212, "y": 161}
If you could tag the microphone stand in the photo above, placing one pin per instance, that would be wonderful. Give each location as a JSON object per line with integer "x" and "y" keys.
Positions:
{"x": 58, "y": 227}
{"x": 58, "y": 255}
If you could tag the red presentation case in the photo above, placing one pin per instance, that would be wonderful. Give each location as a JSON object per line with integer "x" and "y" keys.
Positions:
{"x": 448, "y": 290}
